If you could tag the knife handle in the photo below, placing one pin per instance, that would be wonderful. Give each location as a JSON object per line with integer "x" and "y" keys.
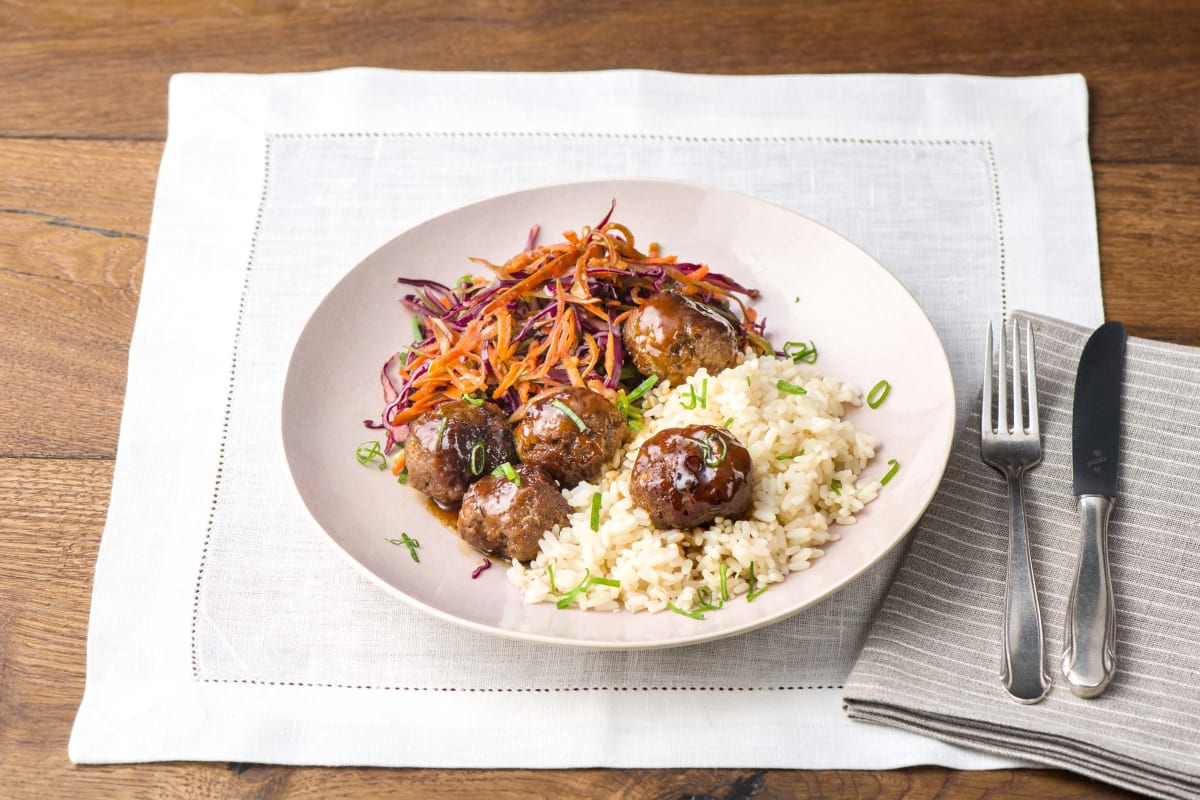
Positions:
{"x": 1089, "y": 658}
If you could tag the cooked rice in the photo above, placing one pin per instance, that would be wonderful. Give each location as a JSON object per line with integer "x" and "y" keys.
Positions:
{"x": 794, "y": 511}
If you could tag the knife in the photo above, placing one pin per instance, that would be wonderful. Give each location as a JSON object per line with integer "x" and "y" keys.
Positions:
{"x": 1089, "y": 658}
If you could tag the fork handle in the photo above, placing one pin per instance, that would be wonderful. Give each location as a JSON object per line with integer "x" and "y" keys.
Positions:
{"x": 1023, "y": 668}
{"x": 1089, "y": 658}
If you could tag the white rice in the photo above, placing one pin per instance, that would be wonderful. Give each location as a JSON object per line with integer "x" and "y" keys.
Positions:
{"x": 794, "y": 512}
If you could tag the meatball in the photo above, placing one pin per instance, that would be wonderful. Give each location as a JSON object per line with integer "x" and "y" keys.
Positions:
{"x": 450, "y": 447}
{"x": 550, "y": 438}
{"x": 673, "y": 336}
{"x": 685, "y": 477}
{"x": 506, "y": 518}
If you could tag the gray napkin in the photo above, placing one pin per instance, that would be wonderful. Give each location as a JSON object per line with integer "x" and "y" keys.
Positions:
{"x": 932, "y": 660}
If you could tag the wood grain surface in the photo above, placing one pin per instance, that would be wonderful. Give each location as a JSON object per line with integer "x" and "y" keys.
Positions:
{"x": 84, "y": 114}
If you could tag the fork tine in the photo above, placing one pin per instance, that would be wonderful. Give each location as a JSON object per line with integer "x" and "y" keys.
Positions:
{"x": 1031, "y": 379}
{"x": 985, "y": 424}
{"x": 1002, "y": 388}
{"x": 1018, "y": 417}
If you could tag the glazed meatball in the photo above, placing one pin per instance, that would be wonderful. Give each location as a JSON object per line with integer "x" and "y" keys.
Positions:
{"x": 450, "y": 447}
{"x": 685, "y": 477}
{"x": 672, "y": 336}
{"x": 507, "y": 518}
{"x": 550, "y": 438}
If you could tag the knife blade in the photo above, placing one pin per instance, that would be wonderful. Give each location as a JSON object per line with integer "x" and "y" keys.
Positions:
{"x": 1089, "y": 659}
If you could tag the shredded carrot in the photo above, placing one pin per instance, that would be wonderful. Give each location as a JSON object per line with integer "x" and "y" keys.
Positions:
{"x": 550, "y": 319}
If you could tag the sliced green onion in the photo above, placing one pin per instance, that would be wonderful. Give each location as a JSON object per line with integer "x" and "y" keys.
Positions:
{"x": 418, "y": 330}
{"x": 473, "y": 400}
{"x": 403, "y": 476}
{"x": 836, "y": 486}
{"x": 596, "y": 511}
{"x": 465, "y": 280}
{"x": 635, "y": 425}
{"x": 878, "y": 394}
{"x": 800, "y": 352}
{"x": 790, "y": 388}
{"x": 728, "y": 422}
{"x": 752, "y": 594}
{"x": 505, "y": 470}
{"x": 704, "y": 600}
{"x": 566, "y": 598}
{"x": 642, "y": 388}
{"x": 478, "y": 456}
{"x": 409, "y": 542}
{"x": 712, "y": 457}
{"x": 570, "y": 596}
{"x": 789, "y": 456}
{"x": 678, "y": 610}
{"x": 748, "y": 383}
{"x": 441, "y": 432}
{"x": 895, "y": 468}
{"x": 566, "y": 409}
{"x": 368, "y": 452}
{"x": 694, "y": 399}
{"x": 724, "y": 586}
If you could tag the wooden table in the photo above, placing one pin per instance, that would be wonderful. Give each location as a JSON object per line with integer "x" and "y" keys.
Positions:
{"x": 82, "y": 121}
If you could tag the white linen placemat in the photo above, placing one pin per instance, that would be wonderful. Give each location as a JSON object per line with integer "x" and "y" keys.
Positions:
{"x": 224, "y": 627}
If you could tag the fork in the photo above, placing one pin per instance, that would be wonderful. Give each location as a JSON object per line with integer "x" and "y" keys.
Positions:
{"x": 1013, "y": 451}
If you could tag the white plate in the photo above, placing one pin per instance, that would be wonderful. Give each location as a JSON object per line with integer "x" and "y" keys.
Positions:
{"x": 815, "y": 285}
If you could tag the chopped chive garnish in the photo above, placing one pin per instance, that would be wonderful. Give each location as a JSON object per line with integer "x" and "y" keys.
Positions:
{"x": 505, "y": 470}
{"x": 728, "y": 422}
{"x": 714, "y": 454}
{"x": 789, "y": 456}
{"x": 571, "y": 595}
{"x": 478, "y": 455}
{"x": 441, "y": 432}
{"x": 368, "y": 452}
{"x": 571, "y": 415}
{"x": 790, "y": 388}
{"x": 409, "y": 542}
{"x": 418, "y": 330}
{"x": 635, "y": 425}
{"x": 473, "y": 400}
{"x": 748, "y": 380}
{"x": 800, "y": 352}
{"x": 895, "y": 468}
{"x": 836, "y": 486}
{"x": 678, "y": 610}
{"x": 724, "y": 585}
{"x": 704, "y": 600}
{"x": 566, "y": 598}
{"x": 642, "y": 388}
{"x": 694, "y": 399}
{"x": 596, "y": 511}
{"x": 878, "y": 394}
{"x": 403, "y": 476}
{"x": 754, "y": 591}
